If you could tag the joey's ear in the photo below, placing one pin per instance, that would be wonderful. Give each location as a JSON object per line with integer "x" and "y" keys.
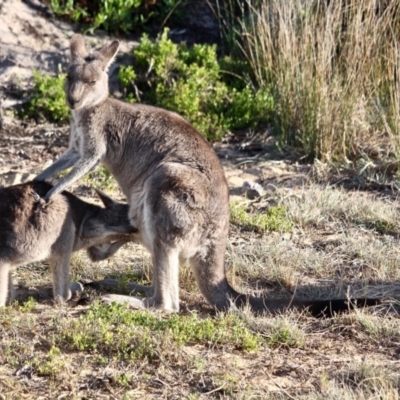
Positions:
{"x": 77, "y": 47}
{"x": 107, "y": 201}
{"x": 108, "y": 52}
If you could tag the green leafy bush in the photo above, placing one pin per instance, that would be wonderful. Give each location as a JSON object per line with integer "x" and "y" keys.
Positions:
{"x": 192, "y": 82}
{"x": 118, "y": 15}
{"x": 47, "y": 99}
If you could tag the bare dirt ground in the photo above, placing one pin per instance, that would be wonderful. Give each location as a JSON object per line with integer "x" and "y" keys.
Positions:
{"x": 344, "y": 239}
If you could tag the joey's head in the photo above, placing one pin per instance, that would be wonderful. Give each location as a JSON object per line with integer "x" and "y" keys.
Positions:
{"x": 106, "y": 224}
{"x": 87, "y": 79}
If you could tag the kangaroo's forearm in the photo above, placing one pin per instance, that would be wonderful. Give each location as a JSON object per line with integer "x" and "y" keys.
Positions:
{"x": 68, "y": 159}
{"x": 81, "y": 168}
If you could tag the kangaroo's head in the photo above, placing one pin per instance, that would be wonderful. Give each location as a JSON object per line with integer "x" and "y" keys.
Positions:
{"x": 106, "y": 224}
{"x": 87, "y": 79}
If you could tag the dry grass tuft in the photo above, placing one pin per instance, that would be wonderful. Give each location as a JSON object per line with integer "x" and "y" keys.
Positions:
{"x": 332, "y": 69}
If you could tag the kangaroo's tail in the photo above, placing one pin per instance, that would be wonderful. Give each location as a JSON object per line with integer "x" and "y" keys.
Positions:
{"x": 317, "y": 308}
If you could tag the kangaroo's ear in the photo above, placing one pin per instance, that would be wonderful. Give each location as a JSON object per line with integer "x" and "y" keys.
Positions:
{"x": 77, "y": 47}
{"x": 107, "y": 201}
{"x": 108, "y": 53}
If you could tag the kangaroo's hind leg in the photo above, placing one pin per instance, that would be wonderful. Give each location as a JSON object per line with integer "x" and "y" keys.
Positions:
{"x": 6, "y": 286}
{"x": 165, "y": 282}
{"x": 164, "y": 290}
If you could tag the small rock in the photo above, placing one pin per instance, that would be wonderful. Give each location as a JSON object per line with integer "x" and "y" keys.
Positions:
{"x": 14, "y": 178}
{"x": 252, "y": 190}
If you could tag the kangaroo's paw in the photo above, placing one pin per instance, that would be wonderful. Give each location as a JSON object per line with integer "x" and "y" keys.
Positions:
{"x": 132, "y": 302}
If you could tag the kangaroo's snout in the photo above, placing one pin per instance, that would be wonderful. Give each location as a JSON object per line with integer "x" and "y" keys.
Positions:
{"x": 72, "y": 102}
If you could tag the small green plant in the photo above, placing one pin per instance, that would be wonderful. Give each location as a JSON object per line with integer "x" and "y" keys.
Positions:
{"x": 284, "y": 333}
{"x": 274, "y": 219}
{"x": 125, "y": 279}
{"x": 115, "y": 330}
{"x": 119, "y": 15}
{"x": 28, "y": 306}
{"x": 382, "y": 226}
{"x": 192, "y": 82}
{"x": 68, "y": 8}
{"x": 52, "y": 365}
{"x": 100, "y": 178}
{"x": 127, "y": 77}
{"x": 47, "y": 98}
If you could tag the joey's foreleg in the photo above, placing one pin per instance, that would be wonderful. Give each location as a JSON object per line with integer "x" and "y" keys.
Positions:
{"x": 59, "y": 266}
{"x": 68, "y": 159}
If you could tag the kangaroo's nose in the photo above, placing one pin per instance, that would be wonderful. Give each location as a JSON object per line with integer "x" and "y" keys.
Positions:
{"x": 72, "y": 102}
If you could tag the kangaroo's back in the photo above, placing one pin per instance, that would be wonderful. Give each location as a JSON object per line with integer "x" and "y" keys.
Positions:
{"x": 141, "y": 139}
{"x": 27, "y": 227}
{"x": 32, "y": 230}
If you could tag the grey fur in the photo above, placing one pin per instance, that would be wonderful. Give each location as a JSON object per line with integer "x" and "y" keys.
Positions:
{"x": 33, "y": 231}
{"x": 171, "y": 176}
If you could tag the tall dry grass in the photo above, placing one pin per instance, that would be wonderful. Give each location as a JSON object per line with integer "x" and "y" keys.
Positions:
{"x": 332, "y": 68}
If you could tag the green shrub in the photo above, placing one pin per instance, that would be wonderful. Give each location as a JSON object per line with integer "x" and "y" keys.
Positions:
{"x": 191, "y": 81}
{"x": 116, "y": 330}
{"x": 119, "y": 15}
{"x": 47, "y": 98}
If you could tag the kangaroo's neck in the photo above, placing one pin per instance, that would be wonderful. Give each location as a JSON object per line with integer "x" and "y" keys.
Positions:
{"x": 88, "y": 117}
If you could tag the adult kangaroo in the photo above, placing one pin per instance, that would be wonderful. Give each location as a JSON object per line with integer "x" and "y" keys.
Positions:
{"x": 31, "y": 231}
{"x": 173, "y": 180}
